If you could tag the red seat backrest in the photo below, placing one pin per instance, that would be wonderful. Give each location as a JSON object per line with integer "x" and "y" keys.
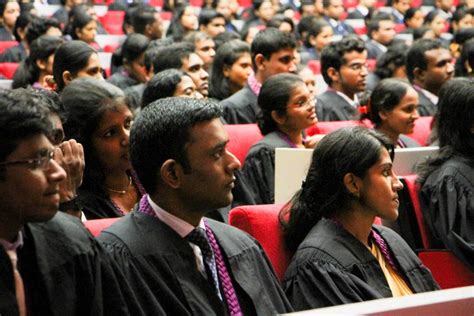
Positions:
{"x": 112, "y": 21}
{"x": 241, "y": 138}
{"x": 447, "y": 269}
{"x": 8, "y": 69}
{"x": 413, "y": 190}
{"x": 422, "y": 130}
{"x": 262, "y": 222}
{"x": 4, "y": 45}
{"x": 96, "y": 226}
{"x": 315, "y": 66}
{"x": 327, "y": 127}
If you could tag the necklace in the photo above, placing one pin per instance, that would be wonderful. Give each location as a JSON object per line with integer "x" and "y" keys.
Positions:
{"x": 122, "y": 191}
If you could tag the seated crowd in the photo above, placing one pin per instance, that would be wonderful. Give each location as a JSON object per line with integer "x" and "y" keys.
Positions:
{"x": 144, "y": 140}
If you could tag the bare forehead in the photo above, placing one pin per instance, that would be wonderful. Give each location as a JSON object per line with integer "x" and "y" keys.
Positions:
{"x": 354, "y": 56}
{"x": 208, "y": 133}
{"x": 436, "y": 55}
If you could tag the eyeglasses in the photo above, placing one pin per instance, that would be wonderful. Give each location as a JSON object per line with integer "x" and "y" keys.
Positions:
{"x": 35, "y": 163}
{"x": 310, "y": 102}
{"x": 358, "y": 67}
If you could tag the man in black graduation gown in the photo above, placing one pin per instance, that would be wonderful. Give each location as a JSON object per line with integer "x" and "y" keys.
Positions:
{"x": 59, "y": 269}
{"x": 344, "y": 69}
{"x": 273, "y": 52}
{"x": 429, "y": 65}
{"x": 178, "y": 149}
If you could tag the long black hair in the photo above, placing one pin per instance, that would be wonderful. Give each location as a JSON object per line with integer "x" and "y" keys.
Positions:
{"x": 454, "y": 124}
{"x": 28, "y": 72}
{"x": 227, "y": 54}
{"x": 274, "y": 96}
{"x": 85, "y": 101}
{"x": 323, "y": 194}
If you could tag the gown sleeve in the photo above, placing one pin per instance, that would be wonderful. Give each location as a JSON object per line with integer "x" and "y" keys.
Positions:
{"x": 259, "y": 172}
{"x": 449, "y": 210}
{"x": 322, "y": 284}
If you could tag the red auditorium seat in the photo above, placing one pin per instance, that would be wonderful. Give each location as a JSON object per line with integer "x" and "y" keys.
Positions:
{"x": 241, "y": 138}
{"x": 413, "y": 190}
{"x": 400, "y": 27}
{"x": 447, "y": 269}
{"x": 422, "y": 130}
{"x": 262, "y": 222}
{"x": 371, "y": 64}
{"x": 110, "y": 48}
{"x": 8, "y": 69}
{"x": 4, "y": 45}
{"x": 112, "y": 21}
{"x": 95, "y": 226}
{"x": 315, "y": 66}
{"x": 360, "y": 30}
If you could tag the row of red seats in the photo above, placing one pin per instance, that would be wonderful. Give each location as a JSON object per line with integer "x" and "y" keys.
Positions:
{"x": 243, "y": 136}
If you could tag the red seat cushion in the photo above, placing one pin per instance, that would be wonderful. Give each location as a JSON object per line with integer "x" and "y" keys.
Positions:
{"x": 422, "y": 130}
{"x": 8, "y": 69}
{"x": 262, "y": 222}
{"x": 241, "y": 138}
{"x": 4, "y": 45}
{"x": 96, "y": 226}
{"x": 447, "y": 269}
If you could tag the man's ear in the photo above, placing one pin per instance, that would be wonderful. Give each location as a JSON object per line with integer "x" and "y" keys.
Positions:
{"x": 170, "y": 173}
{"x": 333, "y": 74}
{"x": 419, "y": 74}
{"x": 67, "y": 77}
{"x": 352, "y": 184}
{"x": 260, "y": 61}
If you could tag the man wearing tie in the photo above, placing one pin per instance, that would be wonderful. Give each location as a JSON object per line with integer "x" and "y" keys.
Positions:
{"x": 177, "y": 261}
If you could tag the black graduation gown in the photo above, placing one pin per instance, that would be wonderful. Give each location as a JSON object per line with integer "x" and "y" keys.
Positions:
{"x": 122, "y": 81}
{"x": 241, "y": 107}
{"x": 95, "y": 206}
{"x": 66, "y": 272}
{"x": 331, "y": 267}
{"x": 8, "y": 304}
{"x": 331, "y": 106}
{"x": 426, "y": 107}
{"x": 14, "y": 54}
{"x": 161, "y": 268}
{"x": 134, "y": 95}
{"x": 259, "y": 167}
{"x": 447, "y": 198}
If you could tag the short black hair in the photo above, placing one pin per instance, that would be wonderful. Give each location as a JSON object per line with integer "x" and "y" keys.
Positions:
{"x": 162, "y": 85}
{"x": 270, "y": 41}
{"x": 333, "y": 54}
{"x": 21, "y": 117}
{"x": 161, "y": 132}
{"x": 141, "y": 17}
{"x": 207, "y": 15}
{"x": 416, "y": 55}
{"x": 172, "y": 56}
{"x": 39, "y": 26}
{"x": 374, "y": 23}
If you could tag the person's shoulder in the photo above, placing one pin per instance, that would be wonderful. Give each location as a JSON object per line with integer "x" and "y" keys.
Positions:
{"x": 240, "y": 98}
{"x": 231, "y": 238}
{"x": 326, "y": 96}
{"x": 64, "y": 232}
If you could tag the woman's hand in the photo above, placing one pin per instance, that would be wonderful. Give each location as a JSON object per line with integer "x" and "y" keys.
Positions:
{"x": 70, "y": 156}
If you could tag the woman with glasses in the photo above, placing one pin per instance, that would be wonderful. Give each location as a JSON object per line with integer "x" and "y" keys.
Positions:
{"x": 340, "y": 257}
{"x": 287, "y": 109}
{"x": 99, "y": 117}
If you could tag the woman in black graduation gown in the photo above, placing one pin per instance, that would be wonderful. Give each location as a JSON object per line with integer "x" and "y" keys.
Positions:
{"x": 287, "y": 109}
{"x": 341, "y": 257}
{"x": 447, "y": 180}
{"x": 99, "y": 117}
{"x": 393, "y": 108}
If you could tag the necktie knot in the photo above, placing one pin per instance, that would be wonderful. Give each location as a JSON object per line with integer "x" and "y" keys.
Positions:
{"x": 198, "y": 237}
